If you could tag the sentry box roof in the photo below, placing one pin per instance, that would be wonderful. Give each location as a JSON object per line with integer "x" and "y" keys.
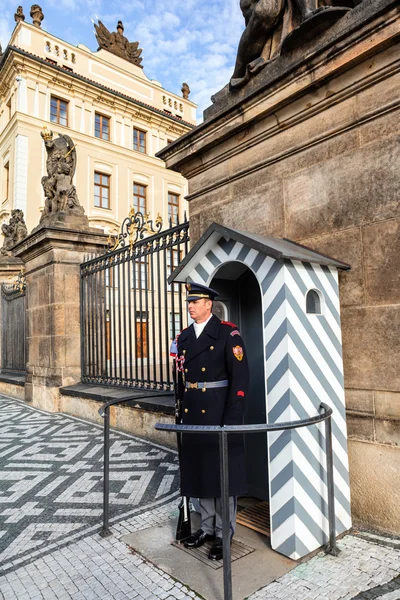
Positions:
{"x": 278, "y": 248}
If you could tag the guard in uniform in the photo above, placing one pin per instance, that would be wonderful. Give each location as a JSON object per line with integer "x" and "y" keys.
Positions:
{"x": 213, "y": 380}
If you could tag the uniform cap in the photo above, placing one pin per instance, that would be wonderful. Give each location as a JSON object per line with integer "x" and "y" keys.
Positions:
{"x": 196, "y": 291}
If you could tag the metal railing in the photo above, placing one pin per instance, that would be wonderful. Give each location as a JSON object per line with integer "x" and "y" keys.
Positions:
{"x": 223, "y": 433}
{"x": 223, "y": 448}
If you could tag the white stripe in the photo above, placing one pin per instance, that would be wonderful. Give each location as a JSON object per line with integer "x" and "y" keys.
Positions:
{"x": 277, "y": 392}
{"x": 273, "y": 324}
{"x": 235, "y": 251}
{"x": 265, "y": 268}
{"x": 272, "y": 291}
{"x": 281, "y": 460}
{"x": 277, "y": 356}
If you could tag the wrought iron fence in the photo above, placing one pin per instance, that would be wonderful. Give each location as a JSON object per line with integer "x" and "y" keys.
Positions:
{"x": 129, "y": 313}
{"x": 13, "y": 325}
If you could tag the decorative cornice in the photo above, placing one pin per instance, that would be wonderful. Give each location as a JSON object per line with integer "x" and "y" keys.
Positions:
{"x": 75, "y": 76}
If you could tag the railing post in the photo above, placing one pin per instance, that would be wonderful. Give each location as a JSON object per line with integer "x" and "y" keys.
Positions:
{"x": 226, "y": 534}
{"x": 106, "y": 481}
{"x": 331, "y": 549}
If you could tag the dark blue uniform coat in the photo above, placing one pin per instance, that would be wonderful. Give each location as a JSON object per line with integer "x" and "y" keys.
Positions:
{"x": 217, "y": 354}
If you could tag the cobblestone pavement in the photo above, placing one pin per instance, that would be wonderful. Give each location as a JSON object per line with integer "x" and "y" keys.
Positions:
{"x": 50, "y": 508}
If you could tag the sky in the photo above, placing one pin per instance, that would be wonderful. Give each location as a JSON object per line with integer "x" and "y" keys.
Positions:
{"x": 182, "y": 40}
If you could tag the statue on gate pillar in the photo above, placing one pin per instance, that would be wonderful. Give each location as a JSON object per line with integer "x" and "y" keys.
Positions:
{"x": 274, "y": 27}
{"x": 14, "y": 231}
{"x": 60, "y": 193}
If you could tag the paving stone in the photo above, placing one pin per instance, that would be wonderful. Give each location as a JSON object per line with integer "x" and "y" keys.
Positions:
{"x": 94, "y": 568}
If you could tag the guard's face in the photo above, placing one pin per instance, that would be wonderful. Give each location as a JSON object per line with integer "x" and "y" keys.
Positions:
{"x": 200, "y": 310}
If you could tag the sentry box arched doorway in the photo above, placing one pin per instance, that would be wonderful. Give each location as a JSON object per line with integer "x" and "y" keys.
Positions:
{"x": 285, "y": 299}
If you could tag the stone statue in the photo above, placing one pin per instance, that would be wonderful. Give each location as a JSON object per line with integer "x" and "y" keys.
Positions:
{"x": 60, "y": 193}
{"x": 15, "y": 231}
{"x": 185, "y": 91}
{"x": 117, "y": 43}
{"x": 270, "y": 24}
{"x": 36, "y": 15}
{"x": 19, "y": 15}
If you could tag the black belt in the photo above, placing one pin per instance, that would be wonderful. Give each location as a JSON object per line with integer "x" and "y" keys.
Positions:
{"x": 204, "y": 385}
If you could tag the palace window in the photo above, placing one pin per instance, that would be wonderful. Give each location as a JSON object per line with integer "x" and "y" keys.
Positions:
{"x": 174, "y": 325}
{"x": 141, "y": 273}
{"x": 59, "y": 111}
{"x": 101, "y": 126}
{"x": 173, "y": 208}
{"x": 139, "y": 198}
{"x": 102, "y": 190}
{"x": 6, "y": 181}
{"x": 139, "y": 140}
{"x": 173, "y": 259}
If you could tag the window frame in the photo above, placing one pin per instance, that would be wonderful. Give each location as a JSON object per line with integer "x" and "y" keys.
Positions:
{"x": 173, "y": 216}
{"x": 144, "y": 186}
{"x": 6, "y": 181}
{"x": 108, "y": 119}
{"x": 101, "y": 187}
{"x": 137, "y": 130}
{"x": 59, "y": 100}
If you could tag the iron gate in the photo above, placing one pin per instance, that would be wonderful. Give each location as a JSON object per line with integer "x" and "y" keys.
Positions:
{"x": 13, "y": 326}
{"x": 129, "y": 313}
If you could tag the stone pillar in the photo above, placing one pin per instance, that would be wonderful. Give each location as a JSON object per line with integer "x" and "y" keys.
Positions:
{"x": 52, "y": 258}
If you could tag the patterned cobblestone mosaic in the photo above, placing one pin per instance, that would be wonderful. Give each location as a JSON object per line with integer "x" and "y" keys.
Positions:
{"x": 50, "y": 511}
{"x": 51, "y": 480}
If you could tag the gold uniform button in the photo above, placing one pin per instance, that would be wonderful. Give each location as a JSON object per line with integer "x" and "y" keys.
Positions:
{"x": 186, "y": 410}
{"x": 186, "y": 370}
{"x": 211, "y": 347}
{"x": 183, "y": 351}
{"x": 203, "y": 411}
{"x": 203, "y": 369}
{"x": 203, "y": 389}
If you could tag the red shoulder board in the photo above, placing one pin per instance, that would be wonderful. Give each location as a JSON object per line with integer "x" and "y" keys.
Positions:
{"x": 230, "y": 324}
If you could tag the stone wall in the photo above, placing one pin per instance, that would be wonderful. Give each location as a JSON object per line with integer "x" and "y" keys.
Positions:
{"x": 311, "y": 152}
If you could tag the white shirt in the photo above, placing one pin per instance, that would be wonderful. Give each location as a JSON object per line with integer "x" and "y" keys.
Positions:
{"x": 198, "y": 327}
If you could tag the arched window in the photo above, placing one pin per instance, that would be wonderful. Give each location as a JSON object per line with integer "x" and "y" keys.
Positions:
{"x": 313, "y": 303}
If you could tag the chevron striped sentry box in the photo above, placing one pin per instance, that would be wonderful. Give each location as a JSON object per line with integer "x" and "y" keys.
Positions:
{"x": 303, "y": 366}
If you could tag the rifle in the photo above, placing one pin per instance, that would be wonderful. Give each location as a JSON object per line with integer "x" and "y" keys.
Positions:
{"x": 183, "y": 528}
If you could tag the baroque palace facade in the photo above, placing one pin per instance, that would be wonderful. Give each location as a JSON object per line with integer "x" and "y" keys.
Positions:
{"x": 116, "y": 116}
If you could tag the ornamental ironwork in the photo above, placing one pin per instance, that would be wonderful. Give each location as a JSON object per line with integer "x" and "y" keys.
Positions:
{"x": 134, "y": 228}
{"x": 20, "y": 282}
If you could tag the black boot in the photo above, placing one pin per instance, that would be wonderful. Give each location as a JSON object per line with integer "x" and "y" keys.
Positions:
{"x": 216, "y": 549}
{"x": 197, "y": 539}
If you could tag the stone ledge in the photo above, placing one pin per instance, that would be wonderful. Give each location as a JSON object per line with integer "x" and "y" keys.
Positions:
{"x": 153, "y": 401}
{"x": 13, "y": 377}
{"x": 137, "y": 414}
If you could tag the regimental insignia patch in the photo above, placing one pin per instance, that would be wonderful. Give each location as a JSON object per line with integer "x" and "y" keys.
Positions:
{"x": 235, "y": 332}
{"x": 238, "y": 352}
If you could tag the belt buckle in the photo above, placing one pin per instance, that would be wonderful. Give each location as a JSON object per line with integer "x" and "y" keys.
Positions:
{"x": 193, "y": 386}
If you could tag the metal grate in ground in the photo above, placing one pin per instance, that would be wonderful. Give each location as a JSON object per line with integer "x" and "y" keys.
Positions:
{"x": 256, "y": 517}
{"x": 238, "y": 550}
